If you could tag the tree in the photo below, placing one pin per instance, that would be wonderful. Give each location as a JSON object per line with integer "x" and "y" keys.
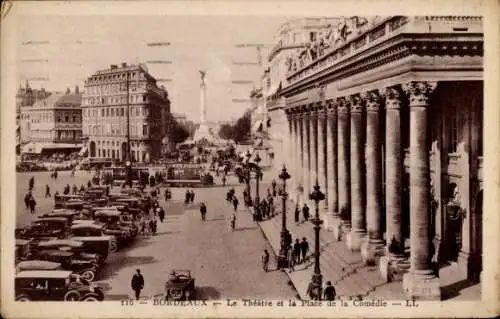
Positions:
{"x": 178, "y": 132}
{"x": 238, "y": 132}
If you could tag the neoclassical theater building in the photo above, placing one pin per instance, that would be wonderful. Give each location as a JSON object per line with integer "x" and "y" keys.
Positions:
{"x": 386, "y": 114}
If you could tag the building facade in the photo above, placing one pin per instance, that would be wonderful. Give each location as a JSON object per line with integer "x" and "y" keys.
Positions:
{"x": 386, "y": 113}
{"x": 108, "y": 117}
{"x": 27, "y": 96}
{"x": 52, "y": 123}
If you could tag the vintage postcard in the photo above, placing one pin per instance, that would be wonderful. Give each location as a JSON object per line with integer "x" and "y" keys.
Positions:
{"x": 249, "y": 159}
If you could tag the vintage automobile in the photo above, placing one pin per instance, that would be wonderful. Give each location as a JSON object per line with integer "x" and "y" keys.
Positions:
{"x": 93, "y": 229}
{"x": 37, "y": 265}
{"x": 102, "y": 245}
{"x": 53, "y": 285}
{"x": 74, "y": 204}
{"x": 59, "y": 200}
{"x": 45, "y": 228}
{"x": 22, "y": 250}
{"x": 69, "y": 261}
{"x": 180, "y": 286}
{"x": 113, "y": 225}
{"x": 74, "y": 246}
{"x": 70, "y": 214}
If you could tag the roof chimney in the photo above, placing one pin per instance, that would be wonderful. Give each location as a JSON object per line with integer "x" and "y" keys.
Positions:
{"x": 77, "y": 90}
{"x": 124, "y": 65}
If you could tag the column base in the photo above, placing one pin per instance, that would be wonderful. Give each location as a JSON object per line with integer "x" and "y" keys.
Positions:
{"x": 392, "y": 267}
{"x": 422, "y": 287}
{"x": 354, "y": 239}
{"x": 345, "y": 228}
{"x": 370, "y": 250}
{"x": 333, "y": 224}
{"x": 466, "y": 265}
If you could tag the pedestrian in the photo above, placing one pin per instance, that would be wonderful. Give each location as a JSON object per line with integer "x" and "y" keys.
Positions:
{"x": 47, "y": 191}
{"x": 31, "y": 183}
{"x": 203, "y": 211}
{"x": 161, "y": 214}
{"x": 137, "y": 284}
{"x": 297, "y": 213}
{"x": 305, "y": 212}
{"x": 55, "y": 174}
{"x": 265, "y": 261}
{"x": 66, "y": 189}
{"x": 223, "y": 180}
{"x": 235, "y": 203}
{"x": 152, "y": 225}
{"x": 192, "y": 196}
{"x": 89, "y": 184}
{"x": 233, "y": 221}
{"x": 187, "y": 197}
{"x": 168, "y": 194}
{"x": 291, "y": 258}
{"x": 27, "y": 198}
{"x": 273, "y": 184}
{"x": 329, "y": 292}
{"x": 142, "y": 225}
{"x": 82, "y": 188}
{"x": 75, "y": 189}
{"x": 296, "y": 251}
{"x": 304, "y": 247}
{"x": 32, "y": 205}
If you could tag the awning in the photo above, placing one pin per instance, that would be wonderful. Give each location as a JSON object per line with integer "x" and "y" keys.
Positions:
{"x": 36, "y": 148}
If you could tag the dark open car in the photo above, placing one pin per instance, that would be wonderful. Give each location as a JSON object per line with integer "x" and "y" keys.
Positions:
{"x": 45, "y": 228}
{"x": 53, "y": 285}
{"x": 69, "y": 261}
{"x": 75, "y": 247}
{"x": 180, "y": 286}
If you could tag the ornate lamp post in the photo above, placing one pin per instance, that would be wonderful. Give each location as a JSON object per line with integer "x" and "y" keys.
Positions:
{"x": 247, "y": 172}
{"x": 128, "y": 172}
{"x": 315, "y": 286}
{"x": 285, "y": 235}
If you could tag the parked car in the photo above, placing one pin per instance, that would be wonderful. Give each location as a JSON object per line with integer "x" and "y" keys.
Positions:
{"x": 23, "y": 250}
{"x": 53, "y": 285}
{"x": 180, "y": 286}
{"x": 69, "y": 261}
{"x": 102, "y": 245}
{"x": 37, "y": 265}
{"x": 44, "y": 228}
{"x": 74, "y": 246}
{"x": 70, "y": 214}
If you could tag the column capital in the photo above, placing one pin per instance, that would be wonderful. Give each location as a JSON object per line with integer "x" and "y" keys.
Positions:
{"x": 331, "y": 108}
{"x": 392, "y": 97}
{"x": 372, "y": 100}
{"x": 343, "y": 105}
{"x": 356, "y": 103}
{"x": 419, "y": 92}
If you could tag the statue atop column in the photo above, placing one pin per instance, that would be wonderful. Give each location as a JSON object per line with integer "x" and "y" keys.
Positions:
{"x": 203, "y": 73}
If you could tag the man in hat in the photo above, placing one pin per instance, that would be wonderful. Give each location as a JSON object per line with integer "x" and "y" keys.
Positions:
{"x": 137, "y": 284}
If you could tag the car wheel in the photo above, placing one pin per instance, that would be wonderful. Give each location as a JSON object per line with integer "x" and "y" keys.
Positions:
{"x": 88, "y": 275}
{"x": 72, "y": 295}
{"x": 113, "y": 247}
{"x": 23, "y": 298}
{"x": 176, "y": 293}
{"x": 90, "y": 297}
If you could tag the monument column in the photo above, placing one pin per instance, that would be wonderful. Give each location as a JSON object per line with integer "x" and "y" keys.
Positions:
{"x": 393, "y": 181}
{"x": 374, "y": 244}
{"x": 313, "y": 148}
{"x": 420, "y": 282}
{"x": 305, "y": 153}
{"x": 358, "y": 210}
{"x": 344, "y": 186}
{"x": 333, "y": 217}
{"x": 300, "y": 162}
{"x": 322, "y": 169}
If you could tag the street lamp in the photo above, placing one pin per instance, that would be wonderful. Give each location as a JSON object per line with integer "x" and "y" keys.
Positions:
{"x": 315, "y": 286}
{"x": 257, "y": 160}
{"x": 127, "y": 172}
{"x": 285, "y": 234}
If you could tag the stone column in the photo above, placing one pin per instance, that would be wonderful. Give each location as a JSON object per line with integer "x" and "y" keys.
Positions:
{"x": 420, "y": 282}
{"x": 295, "y": 158}
{"x": 313, "y": 149}
{"x": 393, "y": 181}
{"x": 333, "y": 217}
{"x": 322, "y": 180}
{"x": 374, "y": 244}
{"x": 305, "y": 154}
{"x": 298, "y": 149}
{"x": 289, "y": 158}
{"x": 358, "y": 209}
{"x": 344, "y": 186}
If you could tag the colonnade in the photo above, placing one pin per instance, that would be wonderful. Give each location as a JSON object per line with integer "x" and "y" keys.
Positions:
{"x": 338, "y": 142}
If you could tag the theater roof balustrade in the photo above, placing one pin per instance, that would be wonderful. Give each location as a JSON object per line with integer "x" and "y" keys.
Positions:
{"x": 360, "y": 44}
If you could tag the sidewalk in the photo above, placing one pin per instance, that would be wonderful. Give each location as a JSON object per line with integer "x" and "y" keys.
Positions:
{"x": 344, "y": 268}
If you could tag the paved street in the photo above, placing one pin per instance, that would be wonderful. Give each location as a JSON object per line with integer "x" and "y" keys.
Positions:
{"x": 224, "y": 263}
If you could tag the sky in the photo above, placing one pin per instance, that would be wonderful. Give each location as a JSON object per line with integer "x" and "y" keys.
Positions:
{"x": 78, "y": 46}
